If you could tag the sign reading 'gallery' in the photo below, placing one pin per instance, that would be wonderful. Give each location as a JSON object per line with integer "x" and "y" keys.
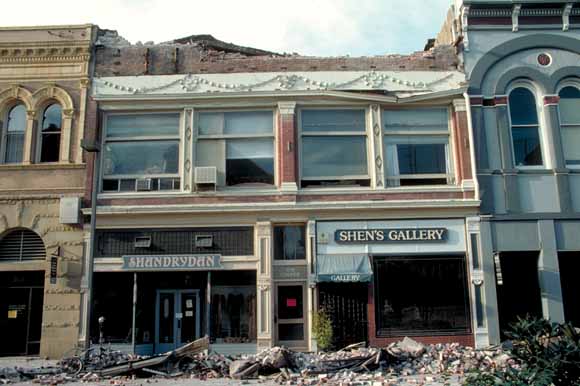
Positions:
{"x": 426, "y": 235}
{"x": 172, "y": 262}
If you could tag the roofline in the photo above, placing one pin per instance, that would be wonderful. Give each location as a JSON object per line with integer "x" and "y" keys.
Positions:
{"x": 45, "y": 27}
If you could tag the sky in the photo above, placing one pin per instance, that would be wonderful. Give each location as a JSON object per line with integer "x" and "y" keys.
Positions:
{"x": 308, "y": 27}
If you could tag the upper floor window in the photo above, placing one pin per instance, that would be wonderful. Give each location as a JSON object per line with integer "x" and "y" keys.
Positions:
{"x": 417, "y": 147}
{"x": 13, "y": 135}
{"x": 141, "y": 152}
{"x": 49, "y": 136}
{"x": 289, "y": 242}
{"x": 334, "y": 147}
{"x": 570, "y": 124}
{"x": 240, "y": 144}
{"x": 527, "y": 150}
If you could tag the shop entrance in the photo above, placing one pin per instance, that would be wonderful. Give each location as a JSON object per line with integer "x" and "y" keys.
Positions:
{"x": 177, "y": 318}
{"x": 518, "y": 292}
{"x": 290, "y": 315}
{"x": 346, "y": 305}
{"x": 21, "y": 312}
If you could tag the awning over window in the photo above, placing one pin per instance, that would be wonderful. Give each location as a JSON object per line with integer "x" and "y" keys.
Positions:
{"x": 343, "y": 268}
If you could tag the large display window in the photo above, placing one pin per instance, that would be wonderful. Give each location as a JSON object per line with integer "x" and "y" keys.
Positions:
{"x": 424, "y": 295}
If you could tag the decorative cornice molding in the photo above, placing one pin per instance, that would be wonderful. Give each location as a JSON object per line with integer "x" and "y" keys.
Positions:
{"x": 404, "y": 82}
{"x": 287, "y": 108}
{"x": 46, "y": 53}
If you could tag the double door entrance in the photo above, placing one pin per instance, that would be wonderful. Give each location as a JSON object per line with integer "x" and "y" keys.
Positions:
{"x": 177, "y": 318}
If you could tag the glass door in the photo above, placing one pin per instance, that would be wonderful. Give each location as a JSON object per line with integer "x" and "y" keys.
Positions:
{"x": 291, "y": 315}
{"x": 177, "y": 319}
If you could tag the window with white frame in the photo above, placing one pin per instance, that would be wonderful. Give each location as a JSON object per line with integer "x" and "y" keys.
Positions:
{"x": 334, "y": 147}
{"x": 239, "y": 144}
{"x": 570, "y": 124}
{"x": 12, "y": 144}
{"x": 141, "y": 152}
{"x": 525, "y": 133}
{"x": 417, "y": 147}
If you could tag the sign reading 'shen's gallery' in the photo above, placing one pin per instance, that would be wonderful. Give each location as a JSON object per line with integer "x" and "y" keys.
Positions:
{"x": 427, "y": 235}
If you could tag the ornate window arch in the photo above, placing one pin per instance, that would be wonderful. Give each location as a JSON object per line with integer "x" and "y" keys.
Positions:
{"x": 53, "y": 104}
{"x": 524, "y": 119}
{"x": 15, "y": 124}
{"x": 569, "y": 111}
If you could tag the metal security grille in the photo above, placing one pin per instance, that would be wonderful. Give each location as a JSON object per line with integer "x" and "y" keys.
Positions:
{"x": 20, "y": 245}
{"x": 233, "y": 241}
{"x": 346, "y": 306}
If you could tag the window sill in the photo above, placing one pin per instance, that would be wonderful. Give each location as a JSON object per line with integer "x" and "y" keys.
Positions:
{"x": 367, "y": 190}
{"x": 43, "y": 166}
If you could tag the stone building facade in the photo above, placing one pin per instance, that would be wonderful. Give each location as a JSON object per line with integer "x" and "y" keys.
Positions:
{"x": 521, "y": 62}
{"x": 44, "y": 80}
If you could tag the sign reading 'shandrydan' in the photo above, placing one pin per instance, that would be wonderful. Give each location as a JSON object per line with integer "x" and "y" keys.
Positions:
{"x": 172, "y": 262}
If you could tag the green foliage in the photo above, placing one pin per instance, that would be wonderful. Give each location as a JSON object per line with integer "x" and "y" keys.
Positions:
{"x": 322, "y": 329}
{"x": 549, "y": 354}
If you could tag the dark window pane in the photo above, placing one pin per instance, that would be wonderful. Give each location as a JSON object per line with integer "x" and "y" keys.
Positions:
{"x": 474, "y": 250}
{"x": 50, "y": 150}
{"x": 334, "y": 156}
{"x": 527, "y": 150}
{"x": 333, "y": 120}
{"x": 478, "y": 306}
{"x": 141, "y": 158}
{"x": 523, "y": 109}
{"x": 145, "y": 125}
{"x": 166, "y": 315}
{"x": 250, "y": 161}
{"x": 52, "y": 119}
{"x": 236, "y": 122}
{"x": 110, "y": 185}
{"x": 434, "y": 299}
{"x": 417, "y": 182}
{"x": 292, "y": 331}
{"x": 290, "y": 302}
{"x": 421, "y": 159}
{"x": 128, "y": 185}
{"x": 289, "y": 242}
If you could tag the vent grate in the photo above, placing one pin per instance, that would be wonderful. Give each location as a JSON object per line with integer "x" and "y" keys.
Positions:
{"x": 21, "y": 245}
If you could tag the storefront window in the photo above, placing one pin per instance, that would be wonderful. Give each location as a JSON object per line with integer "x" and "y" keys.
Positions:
{"x": 421, "y": 295}
{"x": 233, "y": 307}
{"x": 289, "y": 242}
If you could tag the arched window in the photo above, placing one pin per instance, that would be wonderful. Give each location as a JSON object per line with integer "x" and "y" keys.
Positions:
{"x": 50, "y": 134}
{"x": 525, "y": 127}
{"x": 13, "y": 135}
{"x": 21, "y": 245}
{"x": 570, "y": 124}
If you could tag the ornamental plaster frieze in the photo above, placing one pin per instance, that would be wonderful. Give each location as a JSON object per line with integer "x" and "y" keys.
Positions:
{"x": 62, "y": 291}
{"x": 392, "y": 81}
{"x": 60, "y": 324}
{"x": 47, "y": 54}
{"x": 61, "y": 307}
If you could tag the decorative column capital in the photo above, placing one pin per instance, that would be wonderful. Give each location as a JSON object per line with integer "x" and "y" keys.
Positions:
{"x": 287, "y": 108}
{"x": 459, "y": 105}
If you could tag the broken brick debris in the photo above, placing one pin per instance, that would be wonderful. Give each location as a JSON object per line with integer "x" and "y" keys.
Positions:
{"x": 355, "y": 364}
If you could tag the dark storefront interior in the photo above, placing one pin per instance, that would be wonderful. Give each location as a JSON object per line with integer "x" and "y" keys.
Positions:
{"x": 424, "y": 295}
{"x": 518, "y": 290}
{"x": 569, "y": 267}
{"x": 346, "y": 305}
{"x": 172, "y": 307}
{"x": 21, "y": 312}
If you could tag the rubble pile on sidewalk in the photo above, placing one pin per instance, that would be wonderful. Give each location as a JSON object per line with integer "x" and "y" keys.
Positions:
{"x": 355, "y": 364}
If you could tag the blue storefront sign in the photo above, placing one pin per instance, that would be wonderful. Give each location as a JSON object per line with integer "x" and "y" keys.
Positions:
{"x": 198, "y": 262}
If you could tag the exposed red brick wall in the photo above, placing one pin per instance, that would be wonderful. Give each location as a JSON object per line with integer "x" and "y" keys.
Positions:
{"x": 287, "y": 147}
{"x": 465, "y": 340}
{"x": 462, "y": 149}
{"x": 186, "y": 59}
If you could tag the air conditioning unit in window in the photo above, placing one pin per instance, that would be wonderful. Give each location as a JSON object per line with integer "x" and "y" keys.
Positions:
{"x": 143, "y": 184}
{"x": 205, "y": 175}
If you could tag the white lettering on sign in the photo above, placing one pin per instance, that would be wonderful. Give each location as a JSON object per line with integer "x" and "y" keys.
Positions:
{"x": 189, "y": 262}
{"x": 391, "y": 235}
{"x": 345, "y": 278}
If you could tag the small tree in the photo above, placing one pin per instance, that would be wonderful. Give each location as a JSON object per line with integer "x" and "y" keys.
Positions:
{"x": 322, "y": 329}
